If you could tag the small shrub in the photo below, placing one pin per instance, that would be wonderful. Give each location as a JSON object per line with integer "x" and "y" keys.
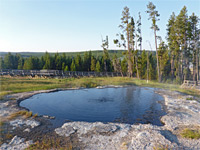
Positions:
{"x": 191, "y": 98}
{"x": 192, "y": 134}
{"x": 89, "y": 85}
{"x": 9, "y": 136}
{"x": 177, "y": 80}
{"x": 169, "y": 81}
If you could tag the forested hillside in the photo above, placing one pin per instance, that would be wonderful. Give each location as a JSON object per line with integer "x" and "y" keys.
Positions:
{"x": 95, "y": 53}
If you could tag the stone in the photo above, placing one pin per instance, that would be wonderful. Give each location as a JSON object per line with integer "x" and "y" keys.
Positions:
{"x": 66, "y": 131}
{"x": 16, "y": 143}
{"x": 27, "y": 130}
{"x": 20, "y": 122}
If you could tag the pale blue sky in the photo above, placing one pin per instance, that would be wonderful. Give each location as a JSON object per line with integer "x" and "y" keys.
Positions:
{"x": 76, "y": 25}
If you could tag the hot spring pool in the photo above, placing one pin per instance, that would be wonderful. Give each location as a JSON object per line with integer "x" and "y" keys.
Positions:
{"x": 125, "y": 105}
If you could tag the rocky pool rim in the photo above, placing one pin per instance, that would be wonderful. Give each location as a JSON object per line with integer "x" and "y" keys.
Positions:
{"x": 18, "y": 100}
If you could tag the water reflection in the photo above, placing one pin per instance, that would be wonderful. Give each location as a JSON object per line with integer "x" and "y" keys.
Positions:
{"x": 126, "y": 105}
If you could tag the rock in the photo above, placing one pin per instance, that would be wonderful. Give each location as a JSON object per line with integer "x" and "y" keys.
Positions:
{"x": 19, "y": 122}
{"x": 142, "y": 135}
{"x": 48, "y": 117}
{"x": 52, "y": 117}
{"x": 105, "y": 128}
{"x": 27, "y": 130}
{"x": 16, "y": 143}
{"x": 65, "y": 131}
{"x": 6, "y": 109}
{"x": 181, "y": 112}
{"x": 85, "y": 127}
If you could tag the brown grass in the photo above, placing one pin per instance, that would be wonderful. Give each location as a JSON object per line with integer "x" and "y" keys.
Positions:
{"x": 24, "y": 113}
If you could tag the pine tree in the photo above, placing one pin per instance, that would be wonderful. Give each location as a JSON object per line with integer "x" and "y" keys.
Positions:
{"x": 20, "y": 62}
{"x": 86, "y": 62}
{"x": 126, "y": 27}
{"x": 139, "y": 32}
{"x": 47, "y": 60}
{"x": 194, "y": 33}
{"x": 124, "y": 65}
{"x": 106, "y": 57}
{"x": 152, "y": 67}
{"x": 153, "y": 15}
{"x": 2, "y": 65}
{"x": 164, "y": 60}
{"x": 66, "y": 68}
{"x": 143, "y": 65}
{"x": 63, "y": 66}
{"x": 73, "y": 66}
{"x": 181, "y": 33}
{"x": 9, "y": 61}
{"x": 57, "y": 62}
{"x": 172, "y": 44}
{"x": 93, "y": 64}
{"x": 78, "y": 63}
{"x": 29, "y": 63}
{"x": 98, "y": 67}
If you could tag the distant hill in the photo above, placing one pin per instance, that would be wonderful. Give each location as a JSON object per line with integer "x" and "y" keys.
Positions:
{"x": 70, "y": 54}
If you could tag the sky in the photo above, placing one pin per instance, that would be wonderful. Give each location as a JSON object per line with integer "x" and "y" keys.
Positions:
{"x": 77, "y": 25}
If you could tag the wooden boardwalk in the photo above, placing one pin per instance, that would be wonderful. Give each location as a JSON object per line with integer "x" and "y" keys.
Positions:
{"x": 58, "y": 73}
{"x": 191, "y": 84}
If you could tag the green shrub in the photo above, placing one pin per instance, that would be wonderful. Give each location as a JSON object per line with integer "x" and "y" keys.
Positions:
{"x": 169, "y": 81}
{"x": 89, "y": 84}
{"x": 177, "y": 80}
{"x": 192, "y": 134}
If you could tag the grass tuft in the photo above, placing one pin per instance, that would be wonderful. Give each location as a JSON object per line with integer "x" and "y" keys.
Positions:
{"x": 191, "y": 134}
{"x": 24, "y": 113}
{"x": 35, "y": 115}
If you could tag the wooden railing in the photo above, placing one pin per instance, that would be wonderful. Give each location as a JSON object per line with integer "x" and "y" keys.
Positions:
{"x": 58, "y": 73}
{"x": 190, "y": 84}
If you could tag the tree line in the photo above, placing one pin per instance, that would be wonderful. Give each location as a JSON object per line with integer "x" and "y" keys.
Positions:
{"x": 176, "y": 60}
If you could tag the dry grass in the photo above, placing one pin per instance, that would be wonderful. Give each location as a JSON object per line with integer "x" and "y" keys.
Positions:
{"x": 49, "y": 143}
{"x": 35, "y": 115}
{"x": 24, "y": 113}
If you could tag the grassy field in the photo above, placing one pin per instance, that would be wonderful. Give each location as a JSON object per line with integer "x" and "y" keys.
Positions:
{"x": 10, "y": 85}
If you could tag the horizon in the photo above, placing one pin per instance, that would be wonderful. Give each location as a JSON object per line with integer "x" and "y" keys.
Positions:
{"x": 76, "y": 26}
{"x": 70, "y": 51}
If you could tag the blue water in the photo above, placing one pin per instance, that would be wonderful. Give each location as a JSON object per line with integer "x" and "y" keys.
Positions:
{"x": 126, "y": 105}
